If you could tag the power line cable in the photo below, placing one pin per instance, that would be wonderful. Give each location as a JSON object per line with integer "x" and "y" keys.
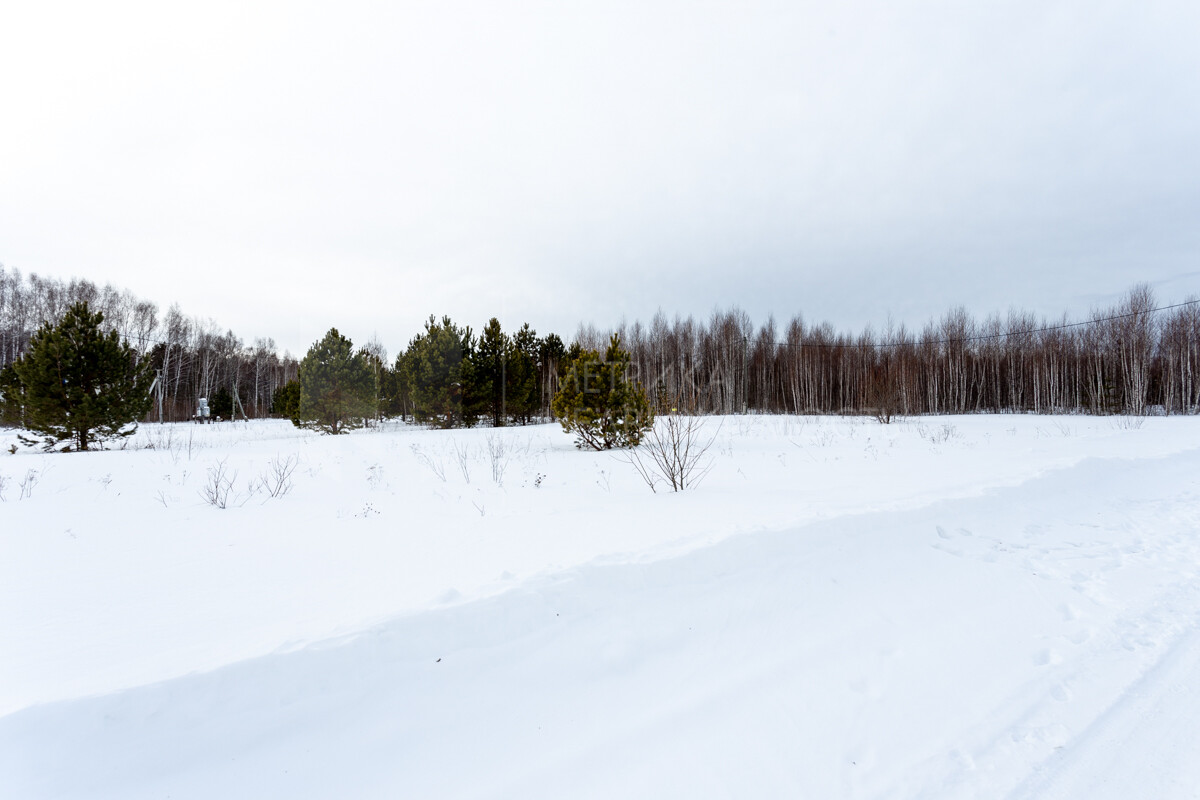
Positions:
{"x": 977, "y": 338}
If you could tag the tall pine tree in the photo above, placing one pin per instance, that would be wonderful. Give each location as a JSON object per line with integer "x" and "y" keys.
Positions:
{"x": 337, "y": 387}
{"x": 76, "y": 383}
{"x": 438, "y": 376}
{"x": 523, "y": 390}
{"x": 490, "y": 363}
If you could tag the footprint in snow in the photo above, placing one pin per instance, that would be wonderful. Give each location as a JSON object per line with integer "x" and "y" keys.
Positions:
{"x": 1045, "y": 657}
{"x": 1080, "y": 636}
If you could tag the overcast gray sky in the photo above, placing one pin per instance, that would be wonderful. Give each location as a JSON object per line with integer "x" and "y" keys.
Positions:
{"x": 286, "y": 167}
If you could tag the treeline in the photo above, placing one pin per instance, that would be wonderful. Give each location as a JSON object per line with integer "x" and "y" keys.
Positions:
{"x": 193, "y": 356}
{"x": 1131, "y": 358}
{"x": 450, "y": 377}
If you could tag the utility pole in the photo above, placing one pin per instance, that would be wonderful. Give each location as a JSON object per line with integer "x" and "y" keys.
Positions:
{"x": 745, "y": 374}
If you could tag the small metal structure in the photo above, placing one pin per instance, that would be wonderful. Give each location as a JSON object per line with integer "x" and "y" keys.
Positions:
{"x": 202, "y": 412}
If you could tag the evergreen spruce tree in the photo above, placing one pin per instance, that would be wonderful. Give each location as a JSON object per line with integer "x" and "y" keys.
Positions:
{"x": 78, "y": 384}
{"x": 337, "y": 387}
{"x": 599, "y": 403}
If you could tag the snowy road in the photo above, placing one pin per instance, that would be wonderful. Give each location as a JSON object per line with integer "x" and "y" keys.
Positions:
{"x": 1146, "y": 745}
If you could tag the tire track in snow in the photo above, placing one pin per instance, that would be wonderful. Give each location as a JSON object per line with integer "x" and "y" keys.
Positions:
{"x": 1145, "y": 745}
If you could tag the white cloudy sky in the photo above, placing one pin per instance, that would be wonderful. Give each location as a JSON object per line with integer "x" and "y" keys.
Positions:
{"x": 286, "y": 167}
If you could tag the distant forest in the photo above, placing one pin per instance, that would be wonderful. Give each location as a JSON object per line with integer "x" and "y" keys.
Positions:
{"x": 195, "y": 356}
{"x": 1132, "y": 358}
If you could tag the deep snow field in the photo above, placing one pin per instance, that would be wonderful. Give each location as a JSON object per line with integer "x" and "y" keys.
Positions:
{"x": 984, "y": 606}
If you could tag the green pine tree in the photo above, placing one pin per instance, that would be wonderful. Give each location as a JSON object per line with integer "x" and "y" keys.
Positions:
{"x": 399, "y": 399}
{"x": 12, "y": 398}
{"x": 392, "y": 395}
{"x": 522, "y": 389}
{"x": 78, "y": 384}
{"x": 438, "y": 376}
{"x": 569, "y": 357}
{"x": 599, "y": 403}
{"x": 220, "y": 405}
{"x": 489, "y": 362}
{"x": 337, "y": 387}
{"x": 286, "y": 402}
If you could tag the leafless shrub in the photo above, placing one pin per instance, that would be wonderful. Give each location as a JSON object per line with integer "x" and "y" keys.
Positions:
{"x": 940, "y": 435}
{"x": 883, "y": 394}
{"x": 277, "y": 480}
{"x": 498, "y": 455}
{"x": 3, "y": 486}
{"x": 521, "y": 449}
{"x": 175, "y": 449}
{"x": 436, "y": 467}
{"x": 27, "y": 483}
{"x": 674, "y": 452}
{"x": 823, "y": 438}
{"x": 217, "y": 488}
{"x": 461, "y": 455}
{"x": 161, "y": 438}
{"x": 1128, "y": 422}
{"x": 375, "y": 476}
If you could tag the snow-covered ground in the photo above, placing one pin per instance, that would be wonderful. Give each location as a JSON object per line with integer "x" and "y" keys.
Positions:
{"x": 943, "y": 607}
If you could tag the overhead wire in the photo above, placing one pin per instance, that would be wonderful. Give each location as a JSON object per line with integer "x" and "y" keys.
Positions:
{"x": 976, "y": 337}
